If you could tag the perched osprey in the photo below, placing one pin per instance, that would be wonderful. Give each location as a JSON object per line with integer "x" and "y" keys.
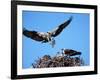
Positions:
{"x": 48, "y": 36}
{"x": 70, "y": 52}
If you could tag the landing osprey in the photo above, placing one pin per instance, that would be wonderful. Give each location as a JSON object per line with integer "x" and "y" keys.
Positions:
{"x": 48, "y": 36}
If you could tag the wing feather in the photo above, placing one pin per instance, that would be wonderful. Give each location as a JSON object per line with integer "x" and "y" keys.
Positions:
{"x": 60, "y": 28}
{"x": 33, "y": 35}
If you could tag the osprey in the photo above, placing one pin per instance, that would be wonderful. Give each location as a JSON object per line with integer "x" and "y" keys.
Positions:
{"x": 70, "y": 52}
{"x": 45, "y": 37}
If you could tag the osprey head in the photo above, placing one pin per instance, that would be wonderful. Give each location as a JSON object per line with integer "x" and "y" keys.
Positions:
{"x": 49, "y": 36}
{"x": 49, "y": 33}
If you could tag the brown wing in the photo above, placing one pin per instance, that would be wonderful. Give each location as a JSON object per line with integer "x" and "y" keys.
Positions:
{"x": 72, "y": 52}
{"x": 60, "y": 28}
{"x": 33, "y": 35}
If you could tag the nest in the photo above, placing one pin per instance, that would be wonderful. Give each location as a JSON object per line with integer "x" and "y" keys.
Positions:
{"x": 58, "y": 61}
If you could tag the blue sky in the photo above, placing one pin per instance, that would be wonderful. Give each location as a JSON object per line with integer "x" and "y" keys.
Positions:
{"x": 75, "y": 36}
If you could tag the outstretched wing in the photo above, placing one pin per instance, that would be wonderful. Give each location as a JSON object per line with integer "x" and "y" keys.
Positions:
{"x": 60, "y": 28}
{"x": 33, "y": 35}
